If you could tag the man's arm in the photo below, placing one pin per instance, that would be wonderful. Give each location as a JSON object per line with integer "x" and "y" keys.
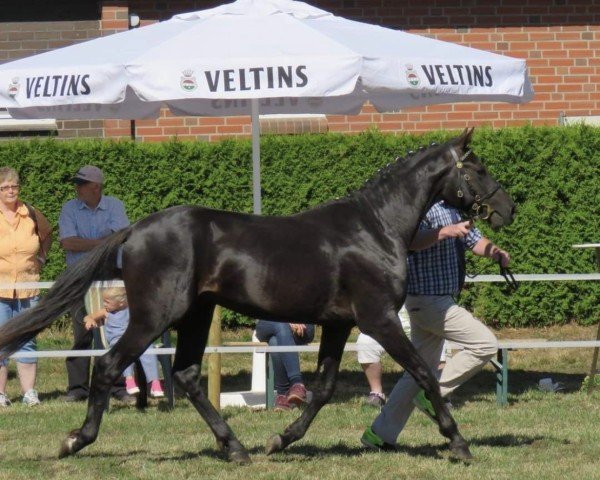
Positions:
{"x": 485, "y": 248}
{"x": 78, "y": 244}
{"x": 426, "y": 238}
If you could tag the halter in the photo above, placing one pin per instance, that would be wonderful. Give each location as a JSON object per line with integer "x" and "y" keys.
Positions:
{"x": 478, "y": 205}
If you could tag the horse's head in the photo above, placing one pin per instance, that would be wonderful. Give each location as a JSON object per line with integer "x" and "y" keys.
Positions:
{"x": 472, "y": 189}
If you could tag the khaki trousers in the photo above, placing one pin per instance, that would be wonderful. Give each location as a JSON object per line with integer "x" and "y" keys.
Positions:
{"x": 433, "y": 319}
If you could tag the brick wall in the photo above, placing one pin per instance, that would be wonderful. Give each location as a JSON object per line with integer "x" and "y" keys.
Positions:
{"x": 560, "y": 40}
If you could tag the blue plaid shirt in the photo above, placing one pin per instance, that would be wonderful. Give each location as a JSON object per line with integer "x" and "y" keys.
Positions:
{"x": 78, "y": 220}
{"x": 439, "y": 269}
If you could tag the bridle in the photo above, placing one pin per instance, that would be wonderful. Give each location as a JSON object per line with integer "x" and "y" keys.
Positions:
{"x": 464, "y": 178}
{"x": 480, "y": 210}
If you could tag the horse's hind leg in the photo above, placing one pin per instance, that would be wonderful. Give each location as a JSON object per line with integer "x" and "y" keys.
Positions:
{"x": 390, "y": 335}
{"x": 333, "y": 340}
{"x": 106, "y": 370}
{"x": 191, "y": 340}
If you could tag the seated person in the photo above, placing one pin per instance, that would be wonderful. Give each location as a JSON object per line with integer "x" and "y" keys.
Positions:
{"x": 290, "y": 388}
{"x": 115, "y": 318}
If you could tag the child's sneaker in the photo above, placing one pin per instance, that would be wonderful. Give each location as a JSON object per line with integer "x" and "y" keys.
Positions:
{"x": 31, "y": 398}
{"x": 4, "y": 401}
{"x": 131, "y": 386}
{"x": 156, "y": 390}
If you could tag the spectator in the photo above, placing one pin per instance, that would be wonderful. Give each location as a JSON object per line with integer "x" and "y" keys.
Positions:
{"x": 115, "y": 318}
{"x": 289, "y": 385}
{"x": 84, "y": 223}
{"x": 370, "y": 361}
{"x": 26, "y": 237}
{"x": 436, "y": 271}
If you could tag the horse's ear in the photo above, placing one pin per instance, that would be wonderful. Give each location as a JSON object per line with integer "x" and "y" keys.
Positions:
{"x": 465, "y": 137}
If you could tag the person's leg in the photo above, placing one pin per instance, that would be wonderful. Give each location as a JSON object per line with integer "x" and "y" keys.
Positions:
{"x": 267, "y": 332}
{"x": 478, "y": 344}
{"x": 150, "y": 366}
{"x": 370, "y": 361}
{"x": 27, "y": 374}
{"x": 290, "y": 360}
{"x": 3, "y": 377}
{"x": 373, "y": 372}
{"x": 425, "y": 320}
{"x": 119, "y": 391}
{"x": 78, "y": 368}
{"x": 5, "y": 316}
{"x": 27, "y": 367}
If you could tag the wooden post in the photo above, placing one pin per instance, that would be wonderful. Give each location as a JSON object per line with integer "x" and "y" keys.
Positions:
{"x": 214, "y": 360}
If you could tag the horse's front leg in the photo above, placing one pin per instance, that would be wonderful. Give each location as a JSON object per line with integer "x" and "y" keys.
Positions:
{"x": 107, "y": 370}
{"x": 387, "y": 330}
{"x": 333, "y": 340}
{"x": 191, "y": 342}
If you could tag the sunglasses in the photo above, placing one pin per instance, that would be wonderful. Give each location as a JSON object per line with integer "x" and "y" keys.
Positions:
{"x": 10, "y": 187}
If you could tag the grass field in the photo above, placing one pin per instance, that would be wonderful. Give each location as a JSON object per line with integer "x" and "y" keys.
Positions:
{"x": 539, "y": 435}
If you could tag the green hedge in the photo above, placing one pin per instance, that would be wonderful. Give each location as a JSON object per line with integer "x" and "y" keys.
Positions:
{"x": 552, "y": 173}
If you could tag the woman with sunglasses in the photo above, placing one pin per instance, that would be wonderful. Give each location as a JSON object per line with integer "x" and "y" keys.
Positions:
{"x": 24, "y": 244}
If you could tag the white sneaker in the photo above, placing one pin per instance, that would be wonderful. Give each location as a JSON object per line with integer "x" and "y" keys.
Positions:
{"x": 31, "y": 398}
{"x": 4, "y": 401}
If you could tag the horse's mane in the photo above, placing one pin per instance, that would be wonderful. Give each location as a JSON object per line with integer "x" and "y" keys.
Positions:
{"x": 391, "y": 173}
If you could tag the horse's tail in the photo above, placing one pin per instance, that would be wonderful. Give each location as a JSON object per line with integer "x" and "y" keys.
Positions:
{"x": 68, "y": 290}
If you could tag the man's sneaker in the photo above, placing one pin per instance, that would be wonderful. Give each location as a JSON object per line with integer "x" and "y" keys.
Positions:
{"x": 131, "y": 386}
{"x": 281, "y": 404}
{"x": 297, "y": 395}
{"x": 31, "y": 398}
{"x": 423, "y": 404}
{"x": 373, "y": 441}
{"x": 4, "y": 401}
{"x": 375, "y": 399}
{"x": 156, "y": 390}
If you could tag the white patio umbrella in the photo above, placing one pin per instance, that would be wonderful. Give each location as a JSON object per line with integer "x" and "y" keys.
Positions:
{"x": 250, "y": 57}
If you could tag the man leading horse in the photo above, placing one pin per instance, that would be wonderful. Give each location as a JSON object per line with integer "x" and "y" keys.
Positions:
{"x": 338, "y": 265}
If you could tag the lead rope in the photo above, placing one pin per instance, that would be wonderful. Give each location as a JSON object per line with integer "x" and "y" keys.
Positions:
{"x": 508, "y": 276}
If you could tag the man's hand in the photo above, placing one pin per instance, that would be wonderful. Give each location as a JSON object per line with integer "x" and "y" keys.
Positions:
{"x": 500, "y": 256}
{"x": 456, "y": 230}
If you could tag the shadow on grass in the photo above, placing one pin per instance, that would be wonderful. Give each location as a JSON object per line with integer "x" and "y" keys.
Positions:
{"x": 291, "y": 454}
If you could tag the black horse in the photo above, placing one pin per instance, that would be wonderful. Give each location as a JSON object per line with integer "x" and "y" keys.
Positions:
{"x": 340, "y": 264}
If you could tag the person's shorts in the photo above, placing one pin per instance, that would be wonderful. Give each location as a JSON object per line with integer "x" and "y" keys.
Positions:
{"x": 374, "y": 352}
{"x": 9, "y": 308}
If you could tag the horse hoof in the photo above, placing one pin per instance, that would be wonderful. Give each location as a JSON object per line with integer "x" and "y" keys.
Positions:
{"x": 67, "y": 447}
{"x": 275, "y": 444}
{"x": 460, "y": 451}
{"x": 240, "y": 457}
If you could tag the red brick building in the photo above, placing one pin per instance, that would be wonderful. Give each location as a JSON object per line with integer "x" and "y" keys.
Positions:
{"x": 560, "y": 39}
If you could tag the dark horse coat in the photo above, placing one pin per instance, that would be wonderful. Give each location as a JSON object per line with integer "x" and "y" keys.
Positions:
{"x": 340, "y": 264}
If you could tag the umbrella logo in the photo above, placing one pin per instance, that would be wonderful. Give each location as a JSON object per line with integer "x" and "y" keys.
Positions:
{"x": 188, "y": 81}
{"x": 13, "y": 88}
{"x": 411, "y": 76}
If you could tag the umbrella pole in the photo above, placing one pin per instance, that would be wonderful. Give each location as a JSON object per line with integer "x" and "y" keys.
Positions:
{"x": 256, "y": 157}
